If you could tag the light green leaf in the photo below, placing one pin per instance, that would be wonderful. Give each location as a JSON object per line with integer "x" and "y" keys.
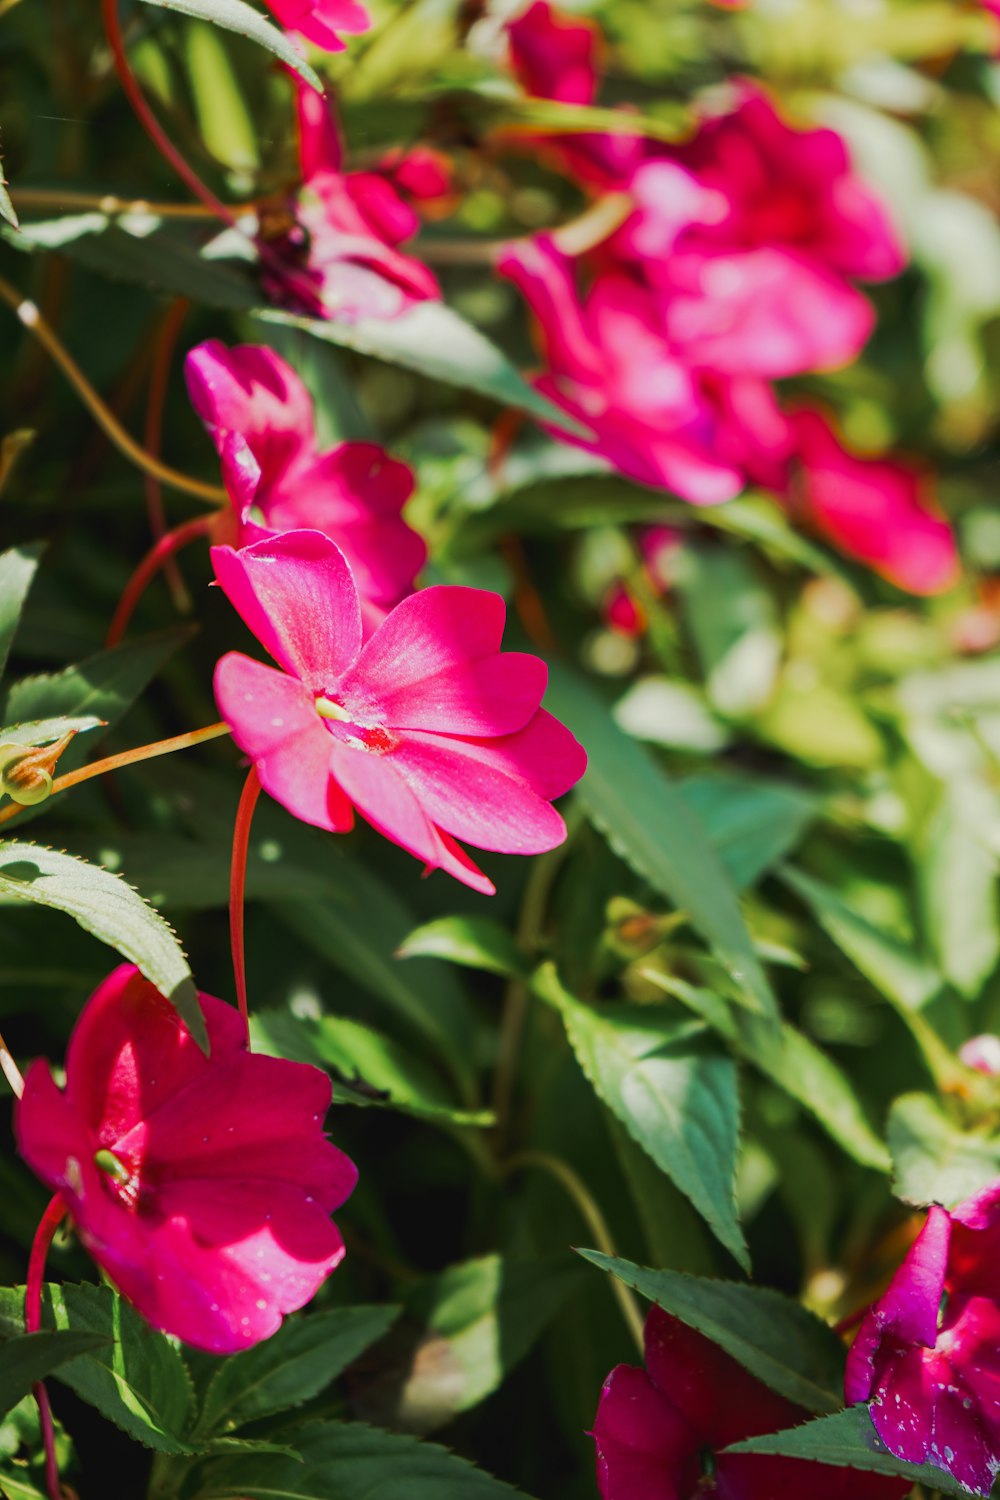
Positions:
{"x": 6, "y": 206}
{"x": 29, "y": 1357}
{"x": 666, "y": 712}
{"x": 104, "y": 905}
{"x": 352, "y": 1462}
{"x": 237, "y": 16}
{"x": 140, "y": 1382}
{"x": 957, "y": 877}
{"x": 776, "y": 1339}
{"x": 848, "y": 1440}
{"x": 370, "y": 1069}
{"x": 933, "y": 1160}
{"x": 223, "y": 117}
{"x": 476, "y": 942}
{"x": 301, "y": 1360}
{"x": 647, "y": 822}
{"x": 674, "y": 1092}
{"x": 44, "y": 731}
{"x": 17, "y": 570}
{"x": 732, "y": 620}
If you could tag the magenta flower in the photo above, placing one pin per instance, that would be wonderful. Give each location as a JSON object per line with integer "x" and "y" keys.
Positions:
{"x": 661, "y": 1432}
{"x": 612, "y": 370}
{"x": 751, "y": 236}
{"x": 427, "y": 729}
{"x": 260, "y": 417}
{"x": 321, "y": 21}
{"x": 982, "y": 1052}
{"x": 877, "y": 510}
{"x": 927, "y": 1355}
{"x": 203, "y": 1186}
{"x": 342, "y": 254}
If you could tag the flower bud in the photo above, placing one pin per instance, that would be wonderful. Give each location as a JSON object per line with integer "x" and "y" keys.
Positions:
{"x": 26, "y": 771}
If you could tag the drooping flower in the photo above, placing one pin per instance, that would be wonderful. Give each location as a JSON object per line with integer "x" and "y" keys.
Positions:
{"x": 322, "y": 21}
{"x": 661, "y": 1432}
{"x": 927, "y": 1355}
{"x": 203, "y": 1186}
{"x": 427, "y": 728}
{"x": 610, "y": 368}
{"x": 260, "y": 417}
{"x": 877, "y": 510}
{"x": 341, "y": 248}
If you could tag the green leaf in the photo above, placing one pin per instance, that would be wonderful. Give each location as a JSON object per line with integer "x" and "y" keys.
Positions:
{"x": 734, "y": 626}
{"x": 17, "y": 570}
{"x": 794, "y": 1063}
{"x": 673, "y": 1091}
{"x": 235, "y": 15}
{"x": 370, "y": 1068}
{"x": 29, "y": 1357}
{"x": 140, "y": 1382}
{"x": 480, "y": 1319}
{"x": 476, "y": 942}
{"x": 6, "y": 207}
{"x": 352, "y": 1462}
{"x": 646, "y": 821}
{"x": 752, "y": 823}
{"x": 934, "y": 1161}
{"x": 849, "y": 1440}
{"x": 301, "y": 1360}
{"x": 773, "y": 1337}
{"x": 104, "y": 905}
{"x": 44, "y": 731}
{"x": 433, "y": 340}
{"x": 957, "y": 874}
{"x": 224, "y": 120}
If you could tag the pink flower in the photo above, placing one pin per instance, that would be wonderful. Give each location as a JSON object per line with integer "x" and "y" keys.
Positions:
{"x": 927, "y": 1355}
{"x": 982, "y": 1052}
{"x": 203, "y": 1186}
{"x": 661, "y": 1432}
{"x": 751, "y": 236}
{"x": 341, "y": 253}
{"x": 320, "y": 21}
{"x": 260, "y": 417}
{"x": 877, "y": 510}
{"x": 427, "y": 729}
{"x": 658, "y": 548}
{"x": 611, "y": 369}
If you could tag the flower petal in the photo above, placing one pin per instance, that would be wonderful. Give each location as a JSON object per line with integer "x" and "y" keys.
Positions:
{"x": 645, "y": 1449}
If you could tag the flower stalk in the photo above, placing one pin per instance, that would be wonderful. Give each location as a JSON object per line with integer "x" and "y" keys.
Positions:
{"x": 237, "y": 889}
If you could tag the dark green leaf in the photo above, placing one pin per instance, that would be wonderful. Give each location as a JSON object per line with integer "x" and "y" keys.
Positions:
{"x": 17, "y": 570}
{"x": 773, "y": 1337}
{"x": 103, "y": 904}
{"x": 933, "y": 1160}
{"x": 301, "y": 1360}
{"x": 848, "y": 1440}
{"x": 674, "y": 1092}
{"x": 649, "y": 825}
{"x": 476, "y": 942}
{"x": 237, "y": 16}
{"x": 752, "y": 823}
{"x": 29, "y": 1357}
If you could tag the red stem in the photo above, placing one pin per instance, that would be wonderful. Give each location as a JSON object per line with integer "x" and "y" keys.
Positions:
{"x": 851, "y": 1320}
{"x": 163, "y": 355}
{"x": 237, "y": 889}
{"x": 50, "y": 1221}
{"x": 166, "y": 548}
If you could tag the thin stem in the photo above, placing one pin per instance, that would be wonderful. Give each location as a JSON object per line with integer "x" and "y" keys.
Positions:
{"x": 156, "y": 558}
{"x": 50, "y": 1221}
{"x": 110, "y": 203}
{"x": 595, "y": 1221}
{"x": 127, "y": 758}
{"x": 166, "y": 345}
{"x": 585, "y": 232}
{"x": 32, "y": 319}
{"x": 851, "y": 1320}
{"x": 10, "y": 1070}
{"x": 237, "y": 889}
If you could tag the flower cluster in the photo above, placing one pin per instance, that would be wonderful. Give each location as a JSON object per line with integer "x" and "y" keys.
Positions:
{"x": 737, "y": 264}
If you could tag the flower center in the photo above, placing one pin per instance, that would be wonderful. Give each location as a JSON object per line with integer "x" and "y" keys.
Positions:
{"x": 122, "y": 1181}
{"x": 342, "y": 724}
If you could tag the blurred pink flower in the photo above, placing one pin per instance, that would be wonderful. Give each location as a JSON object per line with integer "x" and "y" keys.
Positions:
{"x": 341, "y": 250}
{"x": 203, "y": 1186}
{"x": 660, "y": 1432}
{"x": 751, "y": 235}
{"x": 877, "y": 510}
{"x": 427, "y": 729}
{"x": 658, "y": 548}
{"x": 260, "y": 417}
{"x": 982, "y": 1052}
{"x": 611, "y": 369}
{"x": 320, "y": 21}
{"x": 927, "y": 1355}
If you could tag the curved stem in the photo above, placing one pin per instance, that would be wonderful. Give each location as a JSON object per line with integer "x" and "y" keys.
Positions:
{"x": 166, "y": 345}
{"x": 156, "y": 558}
{"x": 127, "y": 758}
{"x": 237, "y": 889}
{"x": 577, "y": 1189}
{"x": 32, "y": 319}
{"x": 50, "y": 1221}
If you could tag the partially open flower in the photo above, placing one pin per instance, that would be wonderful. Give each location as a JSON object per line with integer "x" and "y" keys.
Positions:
{"x": 203, "y": 1186}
